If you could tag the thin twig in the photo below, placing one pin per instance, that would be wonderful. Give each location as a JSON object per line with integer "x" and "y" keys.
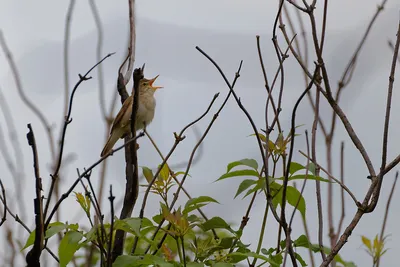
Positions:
{"x": 304, "y": 182}
{"x": 191, "y": 159}
{"x": 375, "y": 187}
{"x": 306, "y": 72}
{"x": 333, "y": 103}
{"x": 173, "y": 175}
{"x": 335, "y": 179}
{"x": 289, "y": 161}
{"x": 67, "y": 121}
{"x": 178, "y": 138}
{"x": 3, "y": 192}
{"x": 111, "y": 198}
{"x": 343, "y": 213}
{"x": 389, "y": 102}
{"x": 392, "y": 47}
{"x": 251, "y": 121}
{"x": 382, "y": 235}
{"x": 317, "y": 169}
{"x": 87, "y": 170}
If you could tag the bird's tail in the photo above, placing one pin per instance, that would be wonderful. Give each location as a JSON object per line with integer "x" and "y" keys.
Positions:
{"x": 112, "y": 139}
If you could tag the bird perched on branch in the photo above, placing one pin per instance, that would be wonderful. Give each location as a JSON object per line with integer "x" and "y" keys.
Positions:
{"x": 121, "y": 125}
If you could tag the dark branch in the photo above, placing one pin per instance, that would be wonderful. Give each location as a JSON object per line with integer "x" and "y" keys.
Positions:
{"x": 132, "y": 173}
{"x": 33, "y": 256}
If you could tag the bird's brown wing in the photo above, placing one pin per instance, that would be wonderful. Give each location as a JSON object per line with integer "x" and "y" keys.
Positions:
{"x": 118, "y": 121}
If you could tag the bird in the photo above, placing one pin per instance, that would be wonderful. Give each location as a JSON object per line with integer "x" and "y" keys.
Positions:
{"x": 121, "y": 125}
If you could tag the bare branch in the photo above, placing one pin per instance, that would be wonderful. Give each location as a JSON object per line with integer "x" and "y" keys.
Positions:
{"x": 343, "y": 214}
{"x": 67, "y": 121}
{"x": 33, "y": 256}
{"x": 3, "y": 191}
{"x": 85, "y": 173}
{"x": 132, "y": 173}
{"x": 336, "y": 180}
{"x": 111, "y": 198}
{"x": 375, "y": 187}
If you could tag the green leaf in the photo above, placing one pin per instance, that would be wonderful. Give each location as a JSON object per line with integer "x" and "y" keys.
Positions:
{"x": 292, "y": 197}
{"x": 223, "y": 264}
{"x": 195, "y": 264}
{"x": 376, "y": 243}
{"x": 82, "y": 202}
{"x": 302, "y": 241}
{"x": 92, "y": 234}
{"x": 193, "y": 218}
{"x": 366, "y": 242}
{"x": 300, "y": 259}
{"x": 164, "y": 173}
{"x": 339, "y": 259}
{"x": 226, "y": 242}
{"x": 73, "y": 226}
{"x": 244, "y": 185}
{"x": 268, "y": 252}
{"x": 132, "y": 225}
{"x": 278, "y": 259}
{"x": 260, "y": 185}
{"x": 311, "y": 167}
{"x": 238, "y": 173}
{"x": 125, "y": 261}
{"x": 157, "y": 218}
{"x": 68, "y": 246}
{"x": 253, "y": 255}
{"x": 182, "y": 173}
{"x": 215, "y": 223}
{"x": 276, "y": 193}
{"x": 31, "y": 239}
{"x": 303, "y": 176}
{"x": 54, "y": 228}
{"x": 295, "y": 167}
{"x": 197, "y": 202}
{"x": 147, "y": 260}
{"x": 148, "y": 174}
{"x": 261, "y": 136}
{"x": 244, "y": 162}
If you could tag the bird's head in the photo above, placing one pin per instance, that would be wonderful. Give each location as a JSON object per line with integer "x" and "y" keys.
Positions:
{"x": 147, "y": 85}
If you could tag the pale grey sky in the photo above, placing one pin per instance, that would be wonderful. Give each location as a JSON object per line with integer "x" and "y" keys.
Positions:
{"x": 167, "y": 33}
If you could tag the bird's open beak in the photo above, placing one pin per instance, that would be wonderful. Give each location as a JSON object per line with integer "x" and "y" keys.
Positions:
{"x": 152, "y": 81}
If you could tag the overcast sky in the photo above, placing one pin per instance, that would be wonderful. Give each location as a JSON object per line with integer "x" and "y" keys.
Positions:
{"x": 167, "y": 33}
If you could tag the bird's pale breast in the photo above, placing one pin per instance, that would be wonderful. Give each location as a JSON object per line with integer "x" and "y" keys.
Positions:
{"x": 146, "y": 110}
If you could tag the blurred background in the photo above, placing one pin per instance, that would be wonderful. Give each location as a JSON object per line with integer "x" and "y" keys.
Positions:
{"x": 167, "y": 33}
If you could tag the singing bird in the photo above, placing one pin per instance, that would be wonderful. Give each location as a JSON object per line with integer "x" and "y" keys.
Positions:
{"x": 121, "y": 125}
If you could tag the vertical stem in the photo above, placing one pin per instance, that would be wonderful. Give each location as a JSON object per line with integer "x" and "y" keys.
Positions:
{"x": 261, "y": 237}
{"x": 183, "y": 251}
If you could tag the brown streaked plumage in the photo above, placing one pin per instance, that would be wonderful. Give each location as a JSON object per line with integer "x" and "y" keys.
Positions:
{"x": 121, "y": 125}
